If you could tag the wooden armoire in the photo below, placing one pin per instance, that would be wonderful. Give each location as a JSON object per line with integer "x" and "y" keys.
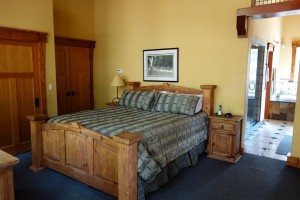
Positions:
{"x": 74, "y": 74}
{"x": 22, "y": 85}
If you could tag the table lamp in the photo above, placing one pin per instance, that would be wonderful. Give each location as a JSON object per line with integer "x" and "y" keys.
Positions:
{"x": 117, "y": 81}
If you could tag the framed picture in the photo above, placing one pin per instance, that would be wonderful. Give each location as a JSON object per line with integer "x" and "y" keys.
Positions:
{"x": 161, "y": 65}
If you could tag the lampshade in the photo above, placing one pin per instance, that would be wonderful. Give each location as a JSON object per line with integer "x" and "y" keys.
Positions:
{"x": 117, "y": 81}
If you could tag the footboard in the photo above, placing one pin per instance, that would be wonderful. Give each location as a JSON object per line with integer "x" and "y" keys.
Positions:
{"x": 108, "y": 164}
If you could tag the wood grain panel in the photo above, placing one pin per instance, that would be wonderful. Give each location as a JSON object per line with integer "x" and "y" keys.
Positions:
{"x": 25, "y": 98}
{"x": 51, "y": 144}
{"x": 63, "y": 81}
{"x": 76, "y": 151}
{"x": 6, "y": 176}
{"x": 80, "y": 78}
{"x": 6, "y": 138}
{"x": 103, "y": 168}
{"x": 15, "y": 58}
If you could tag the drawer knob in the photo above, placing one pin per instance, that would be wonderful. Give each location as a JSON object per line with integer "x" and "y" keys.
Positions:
{"x": 222, "y": 126}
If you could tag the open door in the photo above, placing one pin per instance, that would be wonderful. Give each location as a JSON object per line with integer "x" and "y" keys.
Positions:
{"x": 269, "y": 70}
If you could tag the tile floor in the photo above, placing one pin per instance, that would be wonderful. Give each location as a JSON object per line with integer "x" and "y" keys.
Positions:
{"x": 263, "y": 139}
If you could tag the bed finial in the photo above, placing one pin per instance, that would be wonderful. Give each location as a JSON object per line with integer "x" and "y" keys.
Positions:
{"x": 208, "y": 103}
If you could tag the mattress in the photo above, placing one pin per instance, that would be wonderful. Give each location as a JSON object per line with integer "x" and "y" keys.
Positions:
{"x": 166, "y": 136}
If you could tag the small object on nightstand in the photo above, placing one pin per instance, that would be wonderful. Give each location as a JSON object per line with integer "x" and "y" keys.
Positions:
{"x": 220, "y": 110}
{"x": 112, "y": 104}
{"x": 228, "y": 115}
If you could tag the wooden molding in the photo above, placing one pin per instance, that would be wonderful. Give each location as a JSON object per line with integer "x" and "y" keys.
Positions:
{"x": 264, "y": 11}
{"x": 293, "y": 161}
{"x": 22, "y": 35}
{"x": 241, "y": 26}
{"x": 63, "y": 41}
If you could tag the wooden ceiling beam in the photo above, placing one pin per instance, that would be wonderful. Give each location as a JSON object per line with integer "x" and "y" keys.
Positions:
{"x": 264, "y": 11}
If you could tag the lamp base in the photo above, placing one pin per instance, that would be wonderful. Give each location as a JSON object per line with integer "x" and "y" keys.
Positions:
{"x": 117, "y": 99}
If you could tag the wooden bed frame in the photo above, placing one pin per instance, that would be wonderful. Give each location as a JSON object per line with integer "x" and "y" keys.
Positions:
{"x": 108, "y": 164}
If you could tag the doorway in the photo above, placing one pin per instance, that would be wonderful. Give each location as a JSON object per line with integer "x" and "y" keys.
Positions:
{"x": 270, "y": 115}
{"x": 255, "y": 80}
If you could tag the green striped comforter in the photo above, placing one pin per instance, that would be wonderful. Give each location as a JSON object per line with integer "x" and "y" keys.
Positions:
{"x": 166, "y": 135}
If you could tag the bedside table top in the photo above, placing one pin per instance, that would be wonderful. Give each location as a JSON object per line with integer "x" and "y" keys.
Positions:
{"x": 233, "y": 118}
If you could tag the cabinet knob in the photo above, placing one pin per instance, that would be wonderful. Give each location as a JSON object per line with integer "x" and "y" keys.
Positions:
{"x": 222, "y": 126}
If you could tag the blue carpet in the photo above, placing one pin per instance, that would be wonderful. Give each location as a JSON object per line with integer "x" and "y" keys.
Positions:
{"x": 252, "y": 178}
{"x": 50, "y": 185}
{"x": 285, "y": 145}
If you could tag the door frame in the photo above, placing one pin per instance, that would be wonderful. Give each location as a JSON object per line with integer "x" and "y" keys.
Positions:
{"x": 269, "y": 67}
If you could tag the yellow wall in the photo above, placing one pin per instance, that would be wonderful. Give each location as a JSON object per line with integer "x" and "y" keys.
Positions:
{"x": 74, "y": 18}
{"x": 290, "y": 33}
{"x": 204, "y": 32}
{"x": 34, "y": 15}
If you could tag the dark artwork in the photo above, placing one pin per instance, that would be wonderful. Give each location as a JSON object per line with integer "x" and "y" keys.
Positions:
{"x": 160, "y": 65}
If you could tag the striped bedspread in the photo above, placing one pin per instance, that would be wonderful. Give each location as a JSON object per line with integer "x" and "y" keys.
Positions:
{"x": 166, "y": 135}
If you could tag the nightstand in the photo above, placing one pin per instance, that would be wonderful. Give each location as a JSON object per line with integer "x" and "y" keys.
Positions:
{"x": 225, "y": 138}
{"x": 112, "y": 104}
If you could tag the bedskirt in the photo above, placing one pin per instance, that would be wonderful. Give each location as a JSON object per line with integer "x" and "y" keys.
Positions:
{"x": 171, "y": 169}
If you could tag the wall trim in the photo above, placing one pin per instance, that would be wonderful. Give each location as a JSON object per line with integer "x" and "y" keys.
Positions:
{"x": 293, "y": 161}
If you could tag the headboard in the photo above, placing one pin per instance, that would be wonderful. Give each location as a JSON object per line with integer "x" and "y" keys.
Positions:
{"x": 207, "y": 91}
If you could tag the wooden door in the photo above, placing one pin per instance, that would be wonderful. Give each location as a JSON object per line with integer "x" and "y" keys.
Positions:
{"x": 63, "y": 79}
{"x": 21, "y": 89}
{"x": 268, "y": 82}
{"x": 80, "y": 79}
{"x": 74, "y": 74}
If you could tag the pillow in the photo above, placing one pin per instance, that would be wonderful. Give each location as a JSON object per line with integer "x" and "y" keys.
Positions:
{"x": 199, "y": 104}
{"x": 176, "y": 103}
{"x": 137, "y": 99}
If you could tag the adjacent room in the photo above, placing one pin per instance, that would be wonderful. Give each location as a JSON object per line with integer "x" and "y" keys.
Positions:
{"x": 272, "y": 91}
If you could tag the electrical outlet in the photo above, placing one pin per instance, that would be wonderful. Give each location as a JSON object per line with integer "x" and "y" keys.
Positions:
{"x": 120, "y": 71}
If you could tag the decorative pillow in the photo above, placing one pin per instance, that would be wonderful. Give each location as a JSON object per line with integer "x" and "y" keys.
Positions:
{"x": 199, "y": 104}
{"x": 176, "y": 103}
{"x": 137, "y": 99}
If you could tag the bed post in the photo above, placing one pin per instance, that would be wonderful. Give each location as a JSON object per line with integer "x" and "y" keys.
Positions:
{"x": 36, "y": 122}
{"x": 208, "y": 103}
{"x": 127, "y": 165}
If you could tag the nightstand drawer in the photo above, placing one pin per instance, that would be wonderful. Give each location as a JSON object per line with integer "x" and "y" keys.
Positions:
{"x": 223, "y": 126}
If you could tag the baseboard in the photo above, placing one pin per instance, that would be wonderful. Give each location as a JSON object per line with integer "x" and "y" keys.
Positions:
{"x": 242, "y": 151}
{"x": 293, "y": 161}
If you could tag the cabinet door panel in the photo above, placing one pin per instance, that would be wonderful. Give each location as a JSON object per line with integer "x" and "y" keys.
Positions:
{"x": 62, "y": 79}
{"x": 80, "y": 78}
{"x": 25, "y": 103}
{"x": 222, "y": 144}
{"x": 6, "y": 128}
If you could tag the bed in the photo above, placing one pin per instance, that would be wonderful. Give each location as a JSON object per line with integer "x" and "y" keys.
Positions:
{"x": 125, "y": 150}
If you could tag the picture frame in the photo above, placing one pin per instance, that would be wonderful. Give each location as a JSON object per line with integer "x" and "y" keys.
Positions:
{"x": 161, "y": 65}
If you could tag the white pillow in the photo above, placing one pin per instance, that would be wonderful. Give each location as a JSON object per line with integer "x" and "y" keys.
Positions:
{"x": 199, "y": 104}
